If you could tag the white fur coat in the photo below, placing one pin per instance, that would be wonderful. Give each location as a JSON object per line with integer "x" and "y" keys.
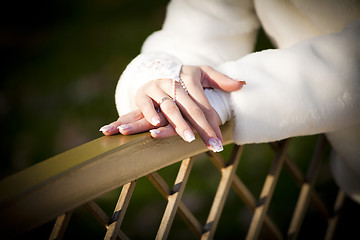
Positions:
{"x": 309, "y": 85}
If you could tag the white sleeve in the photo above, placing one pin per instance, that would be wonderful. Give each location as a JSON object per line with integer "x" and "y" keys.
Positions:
{"x": 312, "y": 87}
{"x": 206, "y": 31}
{"x": 202, "y": 32}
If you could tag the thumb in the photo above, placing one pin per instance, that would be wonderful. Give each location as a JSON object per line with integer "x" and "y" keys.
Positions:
{"x": 214, "y": 79}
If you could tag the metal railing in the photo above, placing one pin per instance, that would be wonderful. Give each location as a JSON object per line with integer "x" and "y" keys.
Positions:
{"x": 55, "y": 187}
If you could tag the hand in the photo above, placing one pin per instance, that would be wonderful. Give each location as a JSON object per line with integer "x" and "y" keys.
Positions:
{"x": 130, "y": 123}
{"x": 191, "y": 112}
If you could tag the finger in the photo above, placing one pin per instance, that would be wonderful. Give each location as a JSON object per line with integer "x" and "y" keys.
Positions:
{"x": 139, "y": 126}
{"x": 214, "y": 79}
{"x": 129, "y": 117}
{"x": 175, "y": 118}
{"x": 163, "y": 132}
{"x": 207, "y": 129}
{"x": 146, "y": 104}
{"x": 109, "y": 129}
{"x": 197, "y": 94}
{"x": 159, "y": 92}
{"x": 112, "y": 128}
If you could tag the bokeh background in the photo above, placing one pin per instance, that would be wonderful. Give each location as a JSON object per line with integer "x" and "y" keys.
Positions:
{"x": 60, "y": 62}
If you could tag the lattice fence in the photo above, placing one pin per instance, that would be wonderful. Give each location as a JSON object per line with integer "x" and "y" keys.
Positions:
{"x": 229, "y": 179}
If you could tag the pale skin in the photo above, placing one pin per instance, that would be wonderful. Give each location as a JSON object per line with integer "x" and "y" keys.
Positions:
{"x": 190, "y": 113}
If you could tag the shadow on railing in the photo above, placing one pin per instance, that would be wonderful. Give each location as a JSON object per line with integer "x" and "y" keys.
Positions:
{"x": 53, "y": 188}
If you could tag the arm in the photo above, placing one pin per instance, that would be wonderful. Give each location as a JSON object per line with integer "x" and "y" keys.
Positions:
{"x": 312, "y": 87}
{"x": 207, "y": 32}
{"x": 194, "y": 32}
{"x": 190, "y": 109}
{"x": 202, "y": 32}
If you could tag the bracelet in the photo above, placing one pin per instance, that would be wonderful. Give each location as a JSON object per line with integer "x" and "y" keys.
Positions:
{"x": 174, "y": 81}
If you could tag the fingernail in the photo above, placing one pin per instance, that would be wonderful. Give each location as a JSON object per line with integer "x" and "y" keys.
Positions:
{"x": 215, "y": 145}
{"x": 243, "y": 82}
{"x": 189, "y": 136}
{"x": 155, "y": 131}
{"x": 124, "y": 127}
{"x": 106, "y": 128}
{"x": 155, "y": 121}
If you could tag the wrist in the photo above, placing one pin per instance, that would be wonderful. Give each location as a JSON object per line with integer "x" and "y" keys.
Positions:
{"x": 154, "y": 65}
{"x": 220, "y": 101}
{"x": 142, "y": 69}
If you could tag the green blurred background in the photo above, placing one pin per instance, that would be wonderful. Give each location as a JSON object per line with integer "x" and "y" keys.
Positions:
{"x": 60, "y": 62}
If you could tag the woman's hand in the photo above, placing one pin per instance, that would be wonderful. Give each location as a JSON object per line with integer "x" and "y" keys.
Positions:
{"x": 190, "y": 111}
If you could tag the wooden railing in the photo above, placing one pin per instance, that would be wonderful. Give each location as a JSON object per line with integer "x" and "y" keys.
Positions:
{"x": 53, "y": 188}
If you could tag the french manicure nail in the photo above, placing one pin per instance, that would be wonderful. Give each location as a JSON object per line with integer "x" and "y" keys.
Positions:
{"x": 215, "y": 145}
{"x": 155, "y": 121}
{"x": 156, "y": 131}
{"x": 124, "y": 127}
{"x": 106, "y": 128}
{"x": 189, "y": 136}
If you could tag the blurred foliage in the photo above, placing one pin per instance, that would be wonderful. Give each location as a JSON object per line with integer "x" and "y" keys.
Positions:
{"x": 60, "y": 62}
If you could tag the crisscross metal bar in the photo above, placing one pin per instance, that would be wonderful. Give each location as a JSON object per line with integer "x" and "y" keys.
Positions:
{"x": 120, "y": 210}
{"x": 40, "y": 193}
{"x": 60, "y": 225}
{"x": 182, "y": 210}
{"x": 97, "y": 213}
{"x": 299, "y": 179}
{"x": 267, "y": 192}
{"x": 102, "y": 217}
{"x": 243, "y": 192}
{"x": 250, "y": 201}
{"x": 227, "y": 174}
{"x": 332, "y": 222}
{"x": 174, "y": 198}
{"x": 228, "y": 179}
{"x": 306, "y": 189}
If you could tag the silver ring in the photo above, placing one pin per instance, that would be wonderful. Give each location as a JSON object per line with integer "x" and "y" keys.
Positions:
{"x": 164, "y": 99}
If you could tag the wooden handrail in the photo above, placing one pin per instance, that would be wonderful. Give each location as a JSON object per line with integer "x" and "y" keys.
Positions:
{"x": 59, "y": 184}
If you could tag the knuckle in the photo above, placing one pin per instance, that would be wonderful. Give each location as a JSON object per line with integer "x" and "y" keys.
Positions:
{"x": 169, "y": 108}
{"x": 141, "y": 91}
{"x": 190, "y": 82}
{"x": 153, "y": 85}
{"x": 164, "y": 84}
{"x": 138, "y": 116}
{"x": 149, "y": 87}
{"x": 208, "y": 112}
{"x": 196, "y": 113}
{"x": 204, "y": 67}
{"x": 139, "y": 101}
